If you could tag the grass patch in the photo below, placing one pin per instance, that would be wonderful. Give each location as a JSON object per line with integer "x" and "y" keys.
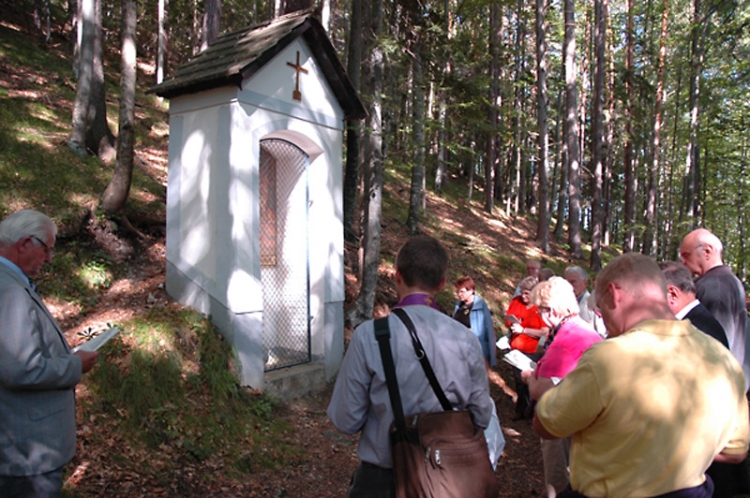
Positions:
{"x": 168, "y": 382}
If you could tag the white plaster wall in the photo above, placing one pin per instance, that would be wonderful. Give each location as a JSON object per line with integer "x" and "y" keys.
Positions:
{"x": 212, "y": 223}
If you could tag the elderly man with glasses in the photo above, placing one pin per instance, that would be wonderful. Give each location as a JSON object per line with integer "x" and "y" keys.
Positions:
{"x": 38, "y": 371}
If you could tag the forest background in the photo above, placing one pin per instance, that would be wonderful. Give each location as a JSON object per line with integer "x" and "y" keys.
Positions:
{"x": 562, "y": 131}
{"x": 611, "y": 123}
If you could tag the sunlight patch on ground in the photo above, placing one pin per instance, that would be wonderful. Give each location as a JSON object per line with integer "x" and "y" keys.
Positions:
{"x": 144, "y": 196}
{"x": 26, "y": 94}
{"x": 498, "y": 224}
{"x": 159, "y": 130}
{"x": 61, "y": 309}
{"x": 8, "y": 25}
{"x": 47, "y": 141}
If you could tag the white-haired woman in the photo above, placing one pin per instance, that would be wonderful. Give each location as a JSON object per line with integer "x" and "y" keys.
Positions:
{"x": 569, "y": 337}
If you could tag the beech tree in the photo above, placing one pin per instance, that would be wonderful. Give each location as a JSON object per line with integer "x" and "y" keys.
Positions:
{"x": 90, "y": 130}
{"x": 373, "y": 174}
{"x": 542, "y": 231}
{"x": 116, "y": 194}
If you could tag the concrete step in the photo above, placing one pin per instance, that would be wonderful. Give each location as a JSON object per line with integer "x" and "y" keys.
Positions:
{"x": 294, "y": 382}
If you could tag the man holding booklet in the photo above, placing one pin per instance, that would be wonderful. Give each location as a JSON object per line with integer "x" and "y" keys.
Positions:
{"x": 38, "y": 370}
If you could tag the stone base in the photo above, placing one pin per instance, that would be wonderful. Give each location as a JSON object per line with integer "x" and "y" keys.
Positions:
{"x": 287, "y": 384}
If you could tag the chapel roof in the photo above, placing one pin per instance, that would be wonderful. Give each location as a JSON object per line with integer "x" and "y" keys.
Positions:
{"x": 240, "y": 54}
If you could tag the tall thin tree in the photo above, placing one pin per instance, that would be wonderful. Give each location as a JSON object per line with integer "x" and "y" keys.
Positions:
{"x": 373, "y": 174}
{"x": 351, "y": 178}
{"x": 418, "y": 125}
{"x": 161, "y": 42}
{"x": 116, "y": 194}
{"x": 597, "y": 131}
{"x": 650, "y": 237}
{"x": 571, "y": 113}
{"x": 77, "y": 139}
{"x": 542, "y": 230}
{"x": 629, "y": 165}
{"x": 211, "y": 22}
{"x": 492, "y": 139}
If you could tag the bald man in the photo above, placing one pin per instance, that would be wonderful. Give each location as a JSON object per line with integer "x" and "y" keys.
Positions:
{"x": 652, "y": 406}
{"x": 717, "y": 288}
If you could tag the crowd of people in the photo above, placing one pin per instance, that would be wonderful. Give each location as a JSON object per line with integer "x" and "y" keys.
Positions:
{"x": 636, "y": 386}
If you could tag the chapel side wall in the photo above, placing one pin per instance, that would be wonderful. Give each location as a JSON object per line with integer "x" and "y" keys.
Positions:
{"x": 207, "y": 230}
{"x": 328, "y": 248}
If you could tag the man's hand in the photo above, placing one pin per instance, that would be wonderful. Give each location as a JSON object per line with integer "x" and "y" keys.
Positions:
{"x": 88, "y": 359}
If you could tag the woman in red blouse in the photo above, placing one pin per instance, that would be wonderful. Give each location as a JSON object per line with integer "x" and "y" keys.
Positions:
{"x": 526, "y": 327}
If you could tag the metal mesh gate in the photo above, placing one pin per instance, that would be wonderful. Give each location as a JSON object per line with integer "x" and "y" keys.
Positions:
{"x": 284, "y": 255}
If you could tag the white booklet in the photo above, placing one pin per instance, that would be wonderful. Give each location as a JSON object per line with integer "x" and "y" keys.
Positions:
{"x": 98, "y": 341}
{"x": 503, "y": 343}
{"x": 519, "y": 360}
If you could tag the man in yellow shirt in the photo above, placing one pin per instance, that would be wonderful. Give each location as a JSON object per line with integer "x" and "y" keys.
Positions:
{"x": 651, "y": 407}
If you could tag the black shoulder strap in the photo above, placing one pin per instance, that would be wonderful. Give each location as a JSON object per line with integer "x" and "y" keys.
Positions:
{"x": 422, "y": 357}
{"x": 383, "y": 335}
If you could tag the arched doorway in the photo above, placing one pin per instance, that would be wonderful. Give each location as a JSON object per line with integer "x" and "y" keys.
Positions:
{"x": 285, "y": 273}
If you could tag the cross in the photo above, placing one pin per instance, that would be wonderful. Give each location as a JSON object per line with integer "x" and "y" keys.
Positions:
{"x": 297, "y": 95}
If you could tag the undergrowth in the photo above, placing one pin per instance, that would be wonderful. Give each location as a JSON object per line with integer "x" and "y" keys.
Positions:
{"x": 178, "y": 390}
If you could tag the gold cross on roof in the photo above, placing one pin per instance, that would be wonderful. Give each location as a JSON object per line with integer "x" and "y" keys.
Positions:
{"x": 297, "y": 95}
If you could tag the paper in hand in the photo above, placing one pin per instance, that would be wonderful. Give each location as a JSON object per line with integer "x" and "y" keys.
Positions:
{"x": 503, "y": 343}
{"x": 98, "y": 341}
{"x": 519, "y": 360}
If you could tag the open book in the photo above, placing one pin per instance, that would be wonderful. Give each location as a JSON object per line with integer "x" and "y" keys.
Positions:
{"x": 519, "y": 360}
{"x": 98, "y": 341}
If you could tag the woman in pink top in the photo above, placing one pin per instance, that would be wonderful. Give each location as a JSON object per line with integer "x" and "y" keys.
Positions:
{"x": 569, "y": 337}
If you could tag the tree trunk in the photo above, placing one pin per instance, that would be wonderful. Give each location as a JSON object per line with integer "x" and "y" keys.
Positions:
{"x": 563, "y": 157}
{"x": 325, "y": 15}
{"x": 610, "y": 126}
{"x": 571, "y": 109}
{"x": 650, "y": 237}
{"x": 692, "y": 161}
{"x": 494, "y": 48}
{"x": 517, "y": 106}
{"x": 116, "y": 194}
{"x": 161, "y": 50}
{"x": 99, "y": 137}
{"x": 211, "y": 23}
{"x": 597, "y": 132}
{"x": 418, "y": 117}
{"x": 77, "y": 139}
{"x": 372, "y": 200}
{"x": 75, "y": 8}
{"x": 351, "y": 178}
{"x": 542, "y": 231}
{"x": 442, "y": 155}
{"x": 629, "y": 166}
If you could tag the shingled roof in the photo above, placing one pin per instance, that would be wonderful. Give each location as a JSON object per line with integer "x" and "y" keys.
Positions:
{"x": 238, "y": 55}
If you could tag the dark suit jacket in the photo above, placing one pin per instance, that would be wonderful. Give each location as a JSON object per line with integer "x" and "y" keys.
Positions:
{"x": 38, "y": 375}
{"x": 705, "y": 321}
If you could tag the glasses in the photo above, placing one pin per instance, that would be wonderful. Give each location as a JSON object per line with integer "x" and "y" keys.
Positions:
{"x": 47, "y": 249}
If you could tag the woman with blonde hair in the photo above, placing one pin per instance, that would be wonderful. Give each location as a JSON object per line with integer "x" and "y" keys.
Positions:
{"x": 526, "y": 328}
{"x": 569, "y": 337}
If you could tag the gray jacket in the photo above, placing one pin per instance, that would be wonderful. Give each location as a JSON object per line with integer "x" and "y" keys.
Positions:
{"x": 38, "y": 374}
